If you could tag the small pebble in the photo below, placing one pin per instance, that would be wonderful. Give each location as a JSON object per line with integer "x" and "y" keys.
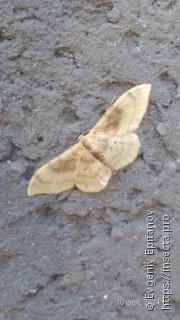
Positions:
{"x": 116, "y": 233}
{"x": 5, "y": 149}
{"x": 178, "y": 93}
{"x": 136, "y": 51}
{"x": 113, "y": 15}
{"x": 161, "y": 129}
{"x": 32, "y": 292}
{"x": 171, "y": 168}
{"x": 19, "y": 166}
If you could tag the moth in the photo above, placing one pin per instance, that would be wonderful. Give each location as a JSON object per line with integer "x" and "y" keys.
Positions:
{"x": 108, "y": 147}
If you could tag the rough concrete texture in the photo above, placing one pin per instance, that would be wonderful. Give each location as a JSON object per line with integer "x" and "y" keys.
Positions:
{"x": 75, "y": 256}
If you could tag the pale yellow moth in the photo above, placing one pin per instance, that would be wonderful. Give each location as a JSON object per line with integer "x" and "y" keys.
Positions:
{"x": 108, "y": 147}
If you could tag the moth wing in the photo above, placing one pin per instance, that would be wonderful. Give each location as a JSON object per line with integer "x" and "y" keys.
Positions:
{"x": 125, "y": 114}
{"x": 118, "y": 151}
{"x": 91, "y": 175}
{"x": 57, "y": 175}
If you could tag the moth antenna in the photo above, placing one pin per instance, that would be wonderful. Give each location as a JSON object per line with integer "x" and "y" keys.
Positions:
{"x": 113, "y": 100}
{"x": 83, "y": 134}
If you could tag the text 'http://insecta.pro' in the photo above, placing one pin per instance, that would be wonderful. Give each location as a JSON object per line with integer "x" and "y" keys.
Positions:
{"x": 109, "y": 146}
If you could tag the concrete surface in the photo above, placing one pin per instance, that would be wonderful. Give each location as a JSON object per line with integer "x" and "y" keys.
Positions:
{"x": 82, "y": 256}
